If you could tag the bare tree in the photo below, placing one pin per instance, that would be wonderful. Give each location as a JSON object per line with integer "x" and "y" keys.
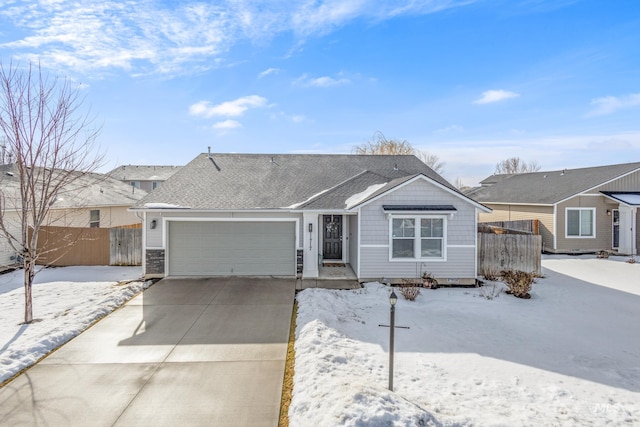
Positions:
{"x": 431, "y": 160}
{"x": 379, "y": 144}
{"x": 52, "y": 144}
{"x": 514, "y": 165}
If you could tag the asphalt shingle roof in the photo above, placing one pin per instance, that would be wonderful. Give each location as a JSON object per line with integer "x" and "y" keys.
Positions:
{"x": 281, "y": 181}
{"x": 547, "y": 188}
{"x": 143, "y": 172}
{"x": 89, "y": 190}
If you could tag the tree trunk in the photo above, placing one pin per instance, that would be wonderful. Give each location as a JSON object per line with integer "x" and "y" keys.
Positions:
{"x": 29, "y": 273}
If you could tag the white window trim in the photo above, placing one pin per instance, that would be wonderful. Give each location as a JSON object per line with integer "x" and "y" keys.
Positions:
{"x": 91, "y": 222}
{"x": 417, "y": 238}
{"x": 566, "y": 223}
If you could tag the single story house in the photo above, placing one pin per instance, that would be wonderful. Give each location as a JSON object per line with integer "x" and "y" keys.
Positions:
{"x": 580, "y": 210}
{"x": 93, "y": 200}
{"x": 144, "y": 177}
{"x": 287, "y": 214}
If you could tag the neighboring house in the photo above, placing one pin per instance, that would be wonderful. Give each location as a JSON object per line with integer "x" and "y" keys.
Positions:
{"x": 146, "y": 178}
{"x": 257, "y": 214}
{"x": 93, "y": 200}
{"x": 580, "y": 210}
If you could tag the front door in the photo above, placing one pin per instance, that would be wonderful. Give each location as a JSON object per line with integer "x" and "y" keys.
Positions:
{"x": 332, "y": 226}
{"x": 615, "y": 222}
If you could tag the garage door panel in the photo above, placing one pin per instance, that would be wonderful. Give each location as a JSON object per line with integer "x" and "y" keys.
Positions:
{"x": 231, "y": 248}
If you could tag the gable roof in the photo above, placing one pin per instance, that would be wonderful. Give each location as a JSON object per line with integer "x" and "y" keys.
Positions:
{"x": 283, "y": 181}
{"x": 143, "y": 172}
{"x": 547, "y": 188}
{"x": 88, "y": 190}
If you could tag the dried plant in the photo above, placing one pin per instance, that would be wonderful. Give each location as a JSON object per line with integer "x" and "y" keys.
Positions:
{"x": 519, "y": 282}
{"x": 409, "y": 289}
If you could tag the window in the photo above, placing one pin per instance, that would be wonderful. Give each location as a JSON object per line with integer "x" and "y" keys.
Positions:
{"x": 154, "y": 185}
{"x": 417, "y": 237}
{"x": 135, "y": 184}
{"x": 94, "y": 218}
{"x": 580, "y": 222}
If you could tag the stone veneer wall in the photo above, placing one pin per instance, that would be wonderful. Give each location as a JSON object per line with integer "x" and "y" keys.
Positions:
{"x": 154, "y": 261}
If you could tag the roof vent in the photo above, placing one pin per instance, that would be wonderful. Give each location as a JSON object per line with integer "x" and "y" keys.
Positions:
{"x": 273, "y": 160}
{"x": 395, "y": 167}
{"x": 9, "y": 173}
{"x": 209, "y": 152}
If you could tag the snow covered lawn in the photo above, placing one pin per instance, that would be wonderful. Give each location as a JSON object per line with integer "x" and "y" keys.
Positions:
{"x": 65, "y": 301}
{"x": 570, "y": 355}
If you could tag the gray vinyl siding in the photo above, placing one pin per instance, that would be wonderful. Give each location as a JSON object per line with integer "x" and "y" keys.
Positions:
{"x": 353, "y": 241}
{"x": 638, "y": 231}
{"x": 154, "y": 237}
{"x": 629, "y": 182}
{"x": 461, "y": 231}
{"x": 460, "y": 264}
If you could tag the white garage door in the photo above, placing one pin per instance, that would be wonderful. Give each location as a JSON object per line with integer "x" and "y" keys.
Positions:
{"x": 220, "y": 248}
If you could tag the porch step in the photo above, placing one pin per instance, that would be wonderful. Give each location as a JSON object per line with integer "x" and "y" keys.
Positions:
{"x": 333, "y": 264}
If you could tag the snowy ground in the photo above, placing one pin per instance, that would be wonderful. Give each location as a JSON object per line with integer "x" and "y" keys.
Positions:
{"x": 570, "y": 355}
{"x": 65, "y": 301}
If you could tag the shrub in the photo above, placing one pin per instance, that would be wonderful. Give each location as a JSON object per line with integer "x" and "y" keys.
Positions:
{"x": 428, "y": 281}
{"x": 409, "y": 289}
{"x": 519, "y": 282}
{"x": 490, "y": 274}
{"x": 490, "y": 291}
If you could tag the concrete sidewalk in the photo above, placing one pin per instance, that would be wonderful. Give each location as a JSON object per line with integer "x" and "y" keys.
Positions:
{"x": 197, "y": 352}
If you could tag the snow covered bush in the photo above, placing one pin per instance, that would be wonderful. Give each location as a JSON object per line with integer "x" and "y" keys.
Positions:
{"x": 519, "y": 282}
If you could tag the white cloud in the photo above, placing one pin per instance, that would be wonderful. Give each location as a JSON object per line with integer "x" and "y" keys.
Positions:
{"x": 227, "y": 109}
{"x": 142, "y": 37}
{"x": 268, "y": 71}
{"x": 491, "y": 96}
{"x": 611, "y": 104}
{"x": 324, "y": 81}
{"x": 227, "y": 124}
{"x": 449, "y": 130}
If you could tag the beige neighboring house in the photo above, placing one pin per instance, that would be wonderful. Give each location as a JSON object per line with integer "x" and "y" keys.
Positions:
{"x": 580, "y": 210}
{"x": 94, "y": 200}
{"x": 143, "y": 177}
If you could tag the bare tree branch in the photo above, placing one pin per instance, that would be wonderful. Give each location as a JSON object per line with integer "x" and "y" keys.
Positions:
{"x": 379, "y": 144}
{"x": 514, "y": 165}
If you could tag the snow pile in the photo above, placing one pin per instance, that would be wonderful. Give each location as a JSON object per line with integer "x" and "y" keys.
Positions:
{"x": 65, "y": 301}
{"x": 359, "y": 197}
{"x": 564, "y": 357}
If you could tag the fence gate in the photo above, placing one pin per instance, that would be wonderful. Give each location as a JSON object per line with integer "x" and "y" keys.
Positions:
{"x": 125, "y": 246}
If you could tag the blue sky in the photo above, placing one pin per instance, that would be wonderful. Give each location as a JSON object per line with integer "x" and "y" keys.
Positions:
{"x": 474, "y": 82}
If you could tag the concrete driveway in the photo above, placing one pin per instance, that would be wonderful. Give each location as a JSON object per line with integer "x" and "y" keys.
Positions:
{"x": 186, "y": 352}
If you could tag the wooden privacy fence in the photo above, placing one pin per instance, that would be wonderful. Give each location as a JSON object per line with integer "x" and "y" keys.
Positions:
{"x": 531, "y": 226}
{"x": 497, "y": 252}
{"x": 65, "y": 246}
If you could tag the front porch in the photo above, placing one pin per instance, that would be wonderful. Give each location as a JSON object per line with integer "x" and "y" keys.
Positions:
{"x": 330, "y": 276}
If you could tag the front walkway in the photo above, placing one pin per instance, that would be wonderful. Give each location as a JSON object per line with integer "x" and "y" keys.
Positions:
{"x": 196, "y": 352}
